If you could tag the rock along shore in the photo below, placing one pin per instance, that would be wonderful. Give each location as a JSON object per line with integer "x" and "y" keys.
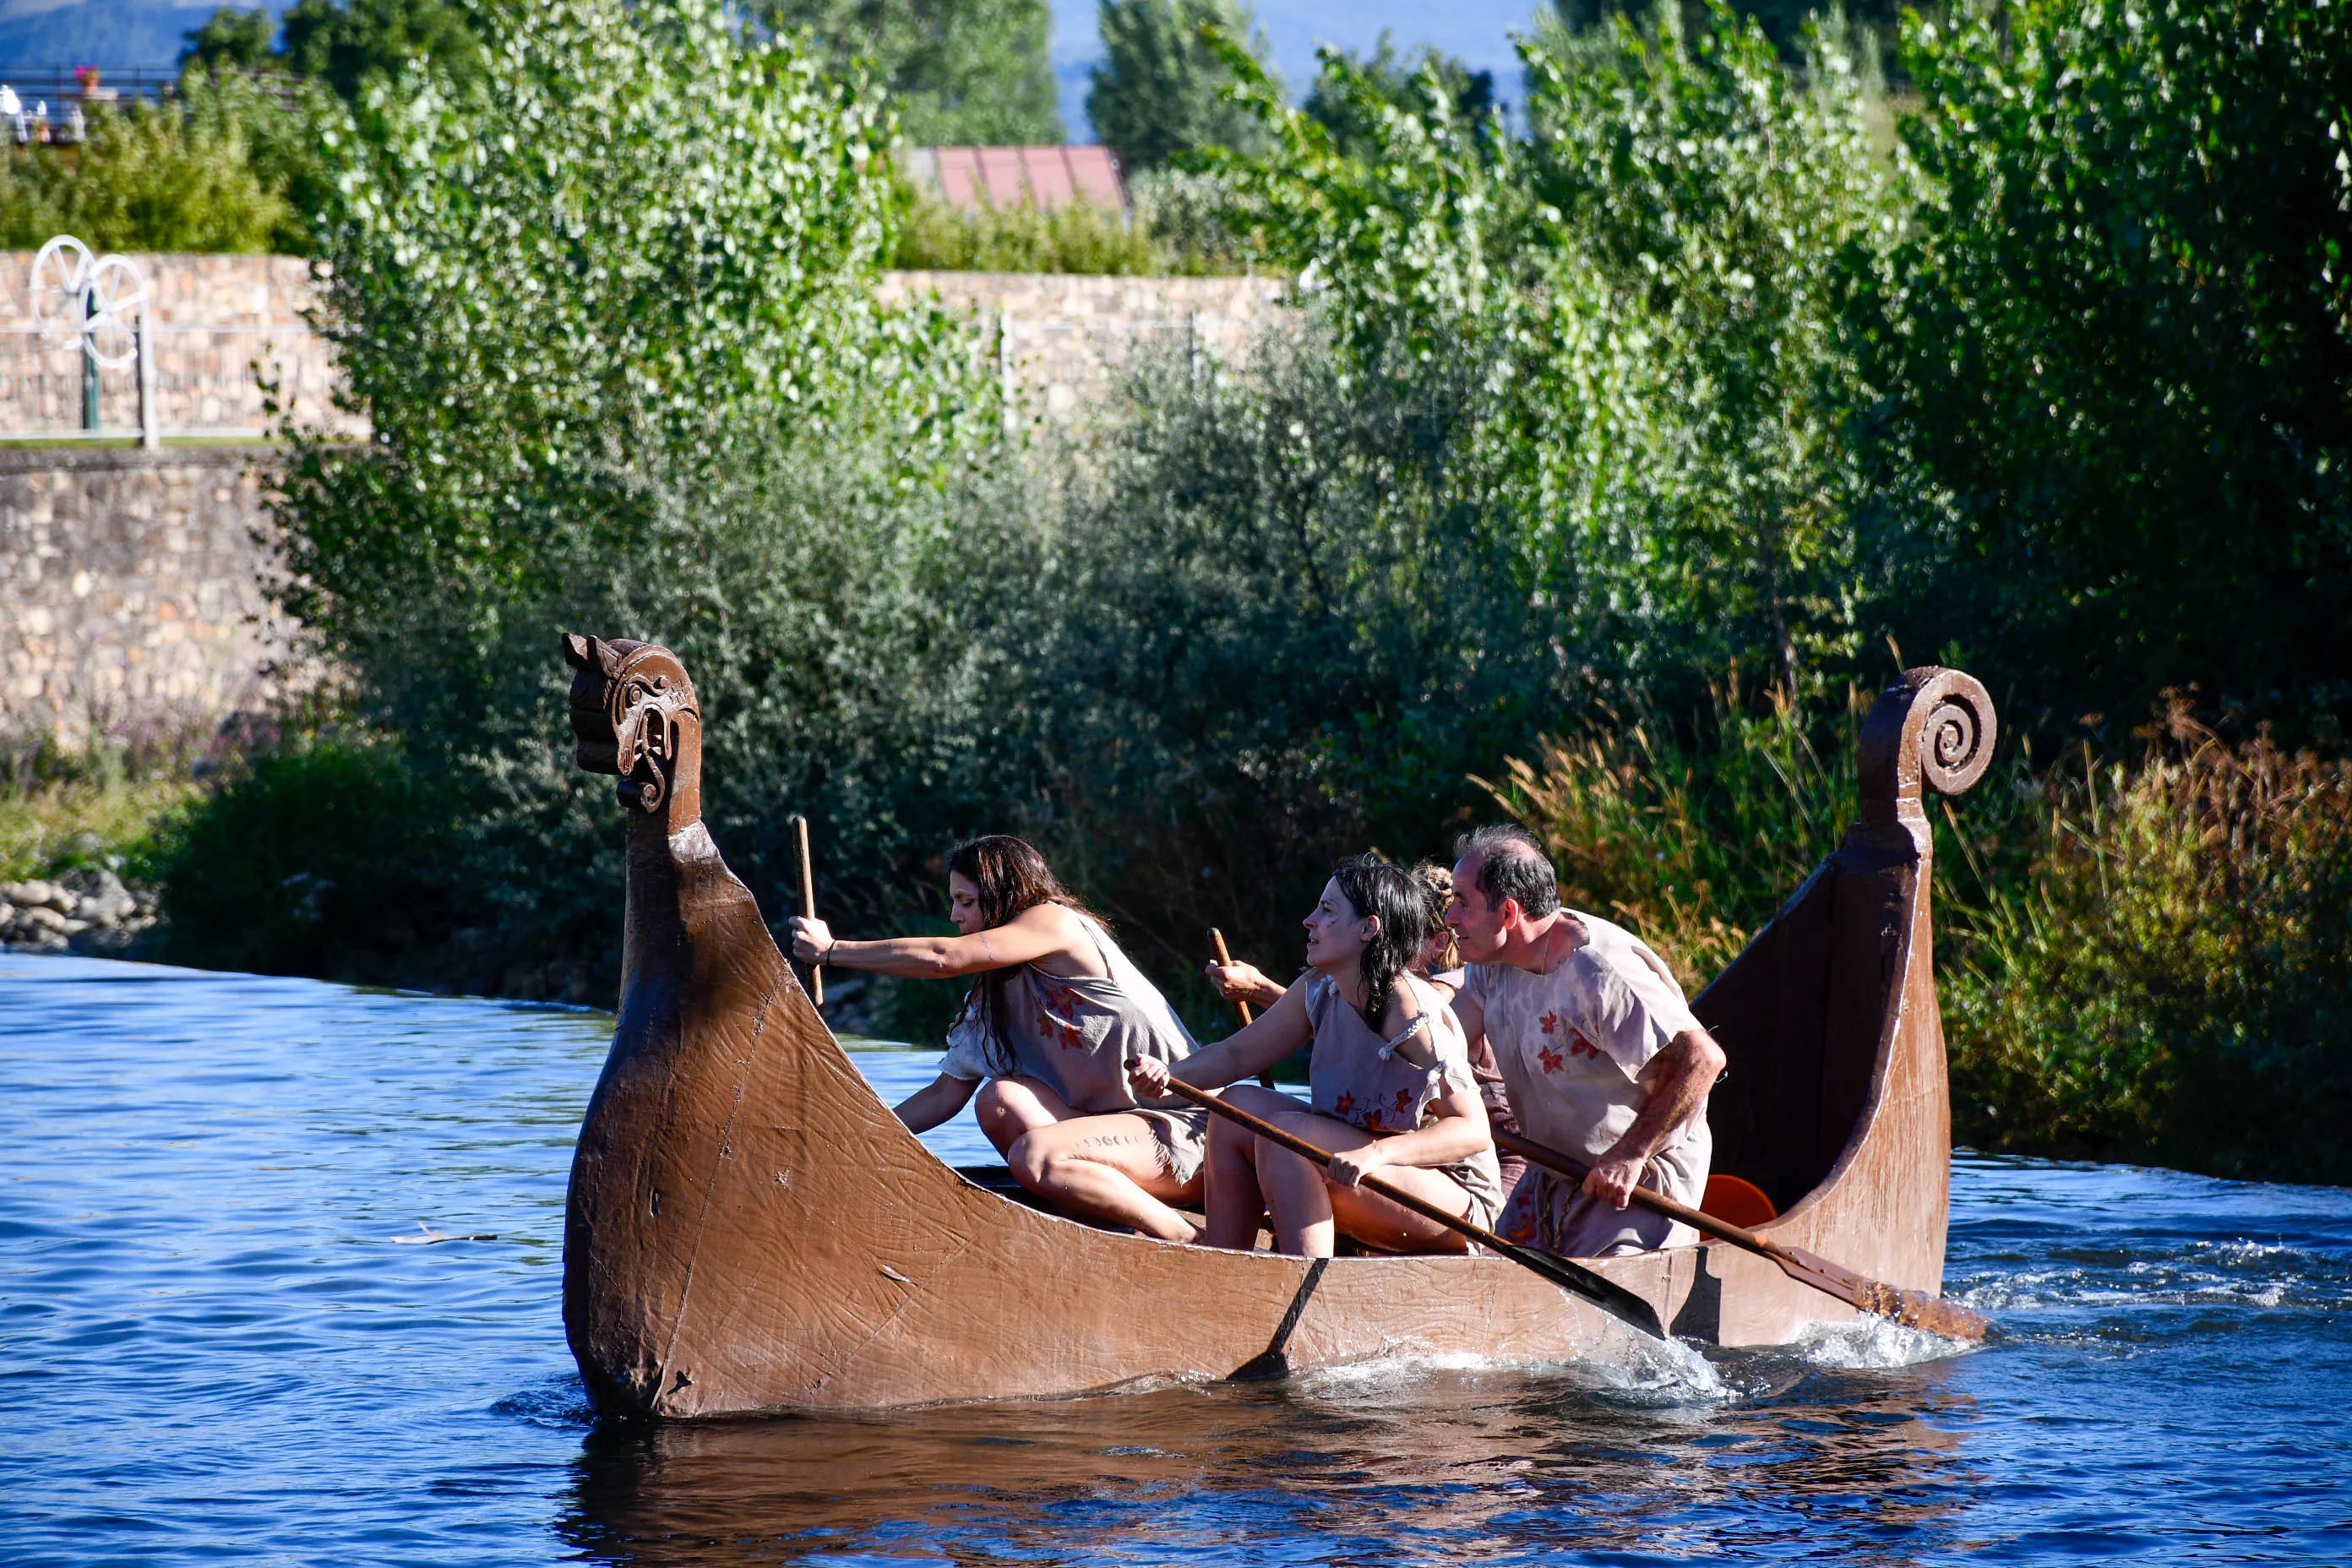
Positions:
{"x": 86, "y": 912}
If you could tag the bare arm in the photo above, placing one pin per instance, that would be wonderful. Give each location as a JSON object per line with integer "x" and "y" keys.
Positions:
{"x": 1245, "y": 983}
{"x": 935, "y": 1102}
{"x": 1278, "y": 1031}
{"x": 1455, "y": 1133}
{"x": 1680, "y": 1076}
{"x": 1471, "y": 1013}
{"x": 1046, "y": 932}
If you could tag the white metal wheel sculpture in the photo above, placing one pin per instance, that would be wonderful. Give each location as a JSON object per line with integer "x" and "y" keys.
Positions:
{"x": 113, "y": 306}
{"x": 60, "y": 269}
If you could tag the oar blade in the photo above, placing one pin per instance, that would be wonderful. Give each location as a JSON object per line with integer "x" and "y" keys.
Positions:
{"x": 1598, "y": 1288}
{"x": 1912, "y": 1309}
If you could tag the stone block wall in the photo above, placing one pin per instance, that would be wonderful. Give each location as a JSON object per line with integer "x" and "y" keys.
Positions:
{"x": 132, "y": 586}
{"x": 131, "y": 582}
{"x": 220, "y": 322}
{"x": 1060, "y": 340}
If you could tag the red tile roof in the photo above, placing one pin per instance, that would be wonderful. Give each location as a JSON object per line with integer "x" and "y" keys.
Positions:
{"x": 970, "y": 178}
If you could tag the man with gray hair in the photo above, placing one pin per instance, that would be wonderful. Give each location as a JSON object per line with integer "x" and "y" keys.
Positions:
{"x": 1599, "y": 1052}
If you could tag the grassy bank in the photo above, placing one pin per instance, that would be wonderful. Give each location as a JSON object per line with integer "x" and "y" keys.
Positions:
{"x": 83, "y": 812}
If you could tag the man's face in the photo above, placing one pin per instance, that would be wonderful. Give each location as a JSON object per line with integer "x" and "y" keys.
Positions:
{"x": 1478, "y": 926}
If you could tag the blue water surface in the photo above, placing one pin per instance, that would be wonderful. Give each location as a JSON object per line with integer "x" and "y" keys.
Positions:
{"x": 215, "y": 1347}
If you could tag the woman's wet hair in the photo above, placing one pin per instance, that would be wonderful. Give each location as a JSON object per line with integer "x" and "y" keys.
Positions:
{"x": 1382, "y": 890}
{"x": 1012, "y": 879}
{"x": 1439, "y": 880}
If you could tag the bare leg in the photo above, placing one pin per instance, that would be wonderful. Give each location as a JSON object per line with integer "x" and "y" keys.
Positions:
{"x": 1105, "y": 1167}
{"x": 1005, "y": 1108}
{"x": 1309, "y": 1209}
{"x": 1235, "y": 1204}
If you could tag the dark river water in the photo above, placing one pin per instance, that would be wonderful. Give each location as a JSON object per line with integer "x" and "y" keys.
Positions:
{"x": 214, "y": 1347}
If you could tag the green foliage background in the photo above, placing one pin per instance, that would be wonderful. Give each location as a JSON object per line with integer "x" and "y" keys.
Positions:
{"x": 1638, "y": 444}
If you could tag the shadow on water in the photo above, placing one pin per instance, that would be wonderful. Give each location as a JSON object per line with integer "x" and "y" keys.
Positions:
{"x": 1371, "y": 1465}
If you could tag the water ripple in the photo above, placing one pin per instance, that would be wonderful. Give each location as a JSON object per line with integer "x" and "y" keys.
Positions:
{"x": 218, "y": 1348}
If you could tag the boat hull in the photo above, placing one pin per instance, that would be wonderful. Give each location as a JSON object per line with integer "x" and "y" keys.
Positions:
{"x": 749, "y": 1228}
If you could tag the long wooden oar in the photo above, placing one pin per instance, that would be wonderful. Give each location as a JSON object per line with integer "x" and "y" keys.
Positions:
{"x": 808, "y": 907}
{"x": 1217, "y": 940}
{"x": 1606, "y": 1294}
{"x": 1912, "y": 1309}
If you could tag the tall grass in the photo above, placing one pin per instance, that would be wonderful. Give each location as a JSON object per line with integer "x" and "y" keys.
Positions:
{"x": 2172, "y": 979}
{"x": 1693, "y": 841}
{"x": 2145, "y": 958}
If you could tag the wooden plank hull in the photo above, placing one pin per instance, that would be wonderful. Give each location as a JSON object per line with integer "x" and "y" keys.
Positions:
{"x": 749, "y": 1228}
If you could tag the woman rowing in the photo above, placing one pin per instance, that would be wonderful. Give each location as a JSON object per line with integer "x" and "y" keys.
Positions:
{"x": 1390, "y": 1084}
{"x": 1054, "y": 1010}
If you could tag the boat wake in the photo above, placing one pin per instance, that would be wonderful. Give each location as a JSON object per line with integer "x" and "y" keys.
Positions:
{"x": 1874, "y": 1344}
{"x": 2202, "y": 1273}
{"x": 1653, "y": 1375}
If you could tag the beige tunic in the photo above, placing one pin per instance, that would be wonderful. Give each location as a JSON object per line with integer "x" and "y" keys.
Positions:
{"x": 1074, "y": 1034}
{"x": 1571, "y": 1045}
{"x": 1388, "y": 1086}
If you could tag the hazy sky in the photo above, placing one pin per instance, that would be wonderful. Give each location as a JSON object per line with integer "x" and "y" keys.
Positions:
{"x": 1477, "y": 30}
{"x": 146, "y": 32}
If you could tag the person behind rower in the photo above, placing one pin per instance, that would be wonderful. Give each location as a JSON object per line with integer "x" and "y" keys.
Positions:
{"x": 1390, "y": 1081}
{"x": 1054, "y": 1011}
{"x": 1601, "y": 1054}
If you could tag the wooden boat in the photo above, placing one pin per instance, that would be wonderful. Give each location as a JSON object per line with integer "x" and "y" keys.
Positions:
{"x": 749, "y": 1228}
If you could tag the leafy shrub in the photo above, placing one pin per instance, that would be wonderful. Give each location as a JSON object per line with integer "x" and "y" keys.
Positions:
{"x": 1181, "y": 224}
{"x": 1080, "y": 238}
{"x": 1654, "y": 281}
{"x": 225, "y": 166}
{"x": 1696, "y": 845}
{"x": 2118, "y": 336}
{"x": 2173, "y": 981}
{"x": 323, "y": 859}
{"x": 1276, "y": 619}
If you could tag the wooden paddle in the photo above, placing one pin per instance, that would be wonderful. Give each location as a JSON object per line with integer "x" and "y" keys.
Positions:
{"x": 1912, "y": 1309}
{"x": 1606, "y": 1294}
{"x": 808, "y": 907}
{"x": 1217, "y": 940}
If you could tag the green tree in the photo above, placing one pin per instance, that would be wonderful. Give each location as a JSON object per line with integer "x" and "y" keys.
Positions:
{"x": 225, "y": 166}
{"x": 611, "y": 321}
{"x": 240, "y": 39}
{"x": 1398, "y": 80}
{"x": 1162, "y": 87}
{"x": 2119, "y": 337}
{"x": 959, "y": 71}
{"x": 344, "y": 43}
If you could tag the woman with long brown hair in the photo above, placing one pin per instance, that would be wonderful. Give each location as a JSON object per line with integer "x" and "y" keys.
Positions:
{"x": 1055, "y": 1011}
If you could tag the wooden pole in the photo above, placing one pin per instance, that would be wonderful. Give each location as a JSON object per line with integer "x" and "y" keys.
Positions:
{"x": 1912, "y": 1309}
{"x": 1606, "y": 1294}
{"x": 1217, "y": 940}
{"x": 808, "y": 906}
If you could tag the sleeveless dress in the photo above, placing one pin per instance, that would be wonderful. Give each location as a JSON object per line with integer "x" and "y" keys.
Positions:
{"x": 1074, "y": 1035}
{"x": 1388, "y": 1086}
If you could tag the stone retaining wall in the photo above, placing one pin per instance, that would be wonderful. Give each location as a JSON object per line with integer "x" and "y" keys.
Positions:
{"x": 221, "y": 322}
{"x": 133, "y": 582}
{"x": 1059, "y": 340}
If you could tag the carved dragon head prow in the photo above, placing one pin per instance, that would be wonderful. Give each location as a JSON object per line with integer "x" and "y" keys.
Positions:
{"x": 633, "y": 714}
